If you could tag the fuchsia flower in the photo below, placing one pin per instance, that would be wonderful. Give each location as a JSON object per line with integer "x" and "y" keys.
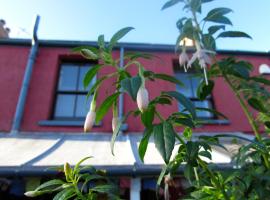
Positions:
{"x": 142, "y": 99}
{"x": 183, "y": 59}
{"x": 89, "y": 121}
{"x": 114, "y": 123}
{"x": 203, "y": 58}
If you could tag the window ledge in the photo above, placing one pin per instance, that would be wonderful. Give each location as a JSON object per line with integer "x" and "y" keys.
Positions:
{"x": 215, "y": 122}
{"x": 63, "y": 123}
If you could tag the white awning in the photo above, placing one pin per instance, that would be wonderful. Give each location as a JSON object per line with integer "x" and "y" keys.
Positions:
{"x": 37, "y": 150}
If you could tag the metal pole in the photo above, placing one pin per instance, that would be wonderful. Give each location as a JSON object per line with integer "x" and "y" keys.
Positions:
{"x": 121, "y": 96}
{"x": 26, "y": 80}
{"x": 135, "y": 189}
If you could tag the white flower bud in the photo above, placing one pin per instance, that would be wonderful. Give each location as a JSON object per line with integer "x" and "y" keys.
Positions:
{"x": 33, "y": 193}
{"x": 89, "y": 121}
{"x": 114, "y": 123}
{"x": 142, "y": 99}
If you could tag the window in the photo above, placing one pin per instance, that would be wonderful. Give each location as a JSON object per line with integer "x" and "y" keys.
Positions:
{"x": 71, "y": 102}
{"x": 191, "y": 84}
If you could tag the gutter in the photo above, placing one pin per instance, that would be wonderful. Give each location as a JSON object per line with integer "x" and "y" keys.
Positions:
{"x": 111, "y": 171}
{"x": 26, "y": 80}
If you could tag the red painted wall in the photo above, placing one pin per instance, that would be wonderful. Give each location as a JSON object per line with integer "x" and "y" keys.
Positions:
{"x": 40, "y": 99}
{"x": 13, "y": 60}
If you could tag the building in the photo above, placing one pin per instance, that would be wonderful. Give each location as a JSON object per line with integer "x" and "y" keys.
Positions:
{"x": 51, "y": 128}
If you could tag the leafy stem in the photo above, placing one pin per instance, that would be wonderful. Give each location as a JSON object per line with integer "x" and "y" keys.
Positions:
{"x": 250, "y": 118}
{"x": 213, "y": 178}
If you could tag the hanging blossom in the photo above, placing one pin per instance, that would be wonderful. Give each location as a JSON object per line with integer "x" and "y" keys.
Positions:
{"x": 203, "y": 58}
{"x": 142, "y": 98}
{"x": 91, "y": 116}
{"x": 183, "y": 59}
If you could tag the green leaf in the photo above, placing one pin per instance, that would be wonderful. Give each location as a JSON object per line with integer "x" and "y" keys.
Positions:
{"x": 65, "y": 194}
{"x": 76, "y": 168}
{"x": 117, "y": 130}
{"x": 206, "y": 154}
{"x": 89, "y": 54}
{"x": 179, "y": 24}
{"x": 187, "y": 103}
{"x": 260, "y": 79}
{"x": 209, "y": 42}
{"x": 90, "y": 75}
{"x": 147, "y": 116}
{"x": 101, "y": 42}
{"x": 118, "y": 35}
{"x": 170, "y": 3}
{"x": 168, "y": 78}
{"x": 217, "y": 12}
{"x": 204, "y": 90}
{"x": 105, "y": 189}
{"x": 105, "y": 106}
{"x": 187, "y": 133}
{"x": 195, "y": 5}
{"x": 164, "y": 136}
{"x": 144, "y": 143}
{"x": 239, "y": 70}
{"x": 213, "y": 29}
{"x": 217, "y": 15}
{"x": 257, "y": 105}
{"x": 220, "y": 20}
{"x": 233, "y": 34}
{"x": 161, "y": 100}
{"x": 131, "y": 86}
{"x": 51, "y": 183}
{"x": 184, "y": 121}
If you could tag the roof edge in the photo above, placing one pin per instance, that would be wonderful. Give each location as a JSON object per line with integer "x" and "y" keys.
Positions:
{"x": 127, "y": 45}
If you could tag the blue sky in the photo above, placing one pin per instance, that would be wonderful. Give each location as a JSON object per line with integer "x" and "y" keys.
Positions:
{"x": 86, "y": 19}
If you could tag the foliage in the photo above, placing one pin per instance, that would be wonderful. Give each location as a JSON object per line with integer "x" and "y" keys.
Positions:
{"x": 81, "y": 183}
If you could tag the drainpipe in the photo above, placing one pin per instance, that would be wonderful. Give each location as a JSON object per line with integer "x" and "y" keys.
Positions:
{"x": 124, "y": 127}
{"x": 26, "y": 80}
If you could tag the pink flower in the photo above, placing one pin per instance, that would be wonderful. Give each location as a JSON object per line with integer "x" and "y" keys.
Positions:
{"x": 183, "y": 59}
{"x": 89, "y": 121}
{"x": 114, "y": 123}
{"x": 142, "y": 98}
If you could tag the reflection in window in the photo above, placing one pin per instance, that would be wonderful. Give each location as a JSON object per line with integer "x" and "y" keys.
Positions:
{"x": 71, "y": 101}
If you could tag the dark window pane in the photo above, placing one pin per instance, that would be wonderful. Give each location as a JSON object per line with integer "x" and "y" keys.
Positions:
{"x": 68, "y": 77}
{"x": 203, "y": 104}
{"x": 83, "y": 71}
{"x": 82, "y": 106}
{"x": 186, "y": 89}
{"x": 64, "y": 105}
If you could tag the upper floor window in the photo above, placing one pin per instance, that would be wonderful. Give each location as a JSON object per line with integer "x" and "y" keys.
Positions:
{"x": 71, "y": 101}
{"x": 191, "y": 83}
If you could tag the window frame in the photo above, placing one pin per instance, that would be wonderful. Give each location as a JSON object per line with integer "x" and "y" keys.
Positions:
{"x": 80, "y": 64}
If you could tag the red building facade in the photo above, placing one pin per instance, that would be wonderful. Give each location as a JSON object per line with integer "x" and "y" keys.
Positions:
{"x": 43, "y": 86}
{"x": 40, "y": 116}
